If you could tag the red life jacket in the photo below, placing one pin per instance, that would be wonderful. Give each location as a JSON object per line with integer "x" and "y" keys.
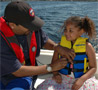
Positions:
{"x": 13, "y": 43}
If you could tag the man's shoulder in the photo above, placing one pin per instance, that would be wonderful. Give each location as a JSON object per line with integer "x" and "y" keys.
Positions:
{"x": 2, "y": 41}
{"x": 4, "y": 45}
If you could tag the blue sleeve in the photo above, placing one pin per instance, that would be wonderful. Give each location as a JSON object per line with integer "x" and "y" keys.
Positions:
{"x": 41, "y": 39}
{"x": 8, "y": 60}
{"x": 44, "y": 38}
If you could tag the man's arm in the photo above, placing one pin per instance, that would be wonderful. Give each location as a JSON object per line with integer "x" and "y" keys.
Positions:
{"x": 63, "y": 51}
{"x": 37, "y": 70}
{"x": 50, "y": 45}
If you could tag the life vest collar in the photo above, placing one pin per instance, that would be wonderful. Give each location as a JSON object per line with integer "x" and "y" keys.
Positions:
{"x": 12, "y": 41}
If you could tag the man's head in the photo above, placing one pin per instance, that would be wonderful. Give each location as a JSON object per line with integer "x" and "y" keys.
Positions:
{"x": 21, "y": 13}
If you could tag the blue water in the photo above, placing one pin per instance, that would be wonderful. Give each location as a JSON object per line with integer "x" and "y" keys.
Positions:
{"x": 54, "y": 13}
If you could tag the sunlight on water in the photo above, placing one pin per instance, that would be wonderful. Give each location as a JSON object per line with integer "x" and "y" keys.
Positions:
{"x": 56, "y": 12}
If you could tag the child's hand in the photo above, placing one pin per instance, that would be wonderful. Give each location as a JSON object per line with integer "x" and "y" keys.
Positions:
{"x": 77, "y": 84}
{"x": 58, "y": 78}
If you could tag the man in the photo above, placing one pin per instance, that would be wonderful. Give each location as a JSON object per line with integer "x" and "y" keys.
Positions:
{"x": 21, "y": 39}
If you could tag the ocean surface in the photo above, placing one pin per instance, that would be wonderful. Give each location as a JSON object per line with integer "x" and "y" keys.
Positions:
{"x": 54, "y": 13}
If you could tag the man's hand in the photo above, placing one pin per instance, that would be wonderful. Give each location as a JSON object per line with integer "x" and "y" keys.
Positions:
{"x": 66, "y": 53}
{"x": 59, "y": 64}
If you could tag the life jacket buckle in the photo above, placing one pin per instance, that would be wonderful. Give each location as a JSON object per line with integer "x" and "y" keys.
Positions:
{"x": 33, "y": 49}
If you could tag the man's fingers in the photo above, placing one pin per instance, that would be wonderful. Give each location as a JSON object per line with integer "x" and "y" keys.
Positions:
{"x": 70, "y": 59}
{"x": 63, "y": 62}
{"x": 72, "y": 55}
{"x": 63, "y": 59}
{"x": 69, "y": 54}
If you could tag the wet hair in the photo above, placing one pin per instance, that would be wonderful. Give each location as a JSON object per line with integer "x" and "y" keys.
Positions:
{"x": 82, "y": 23}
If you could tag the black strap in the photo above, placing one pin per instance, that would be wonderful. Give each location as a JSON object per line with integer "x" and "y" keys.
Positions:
{"x": 79, "y": 70}
{"x": 81, "y": 53}
{"x": 69, "y": 69}
{"x": 78, "y": 61}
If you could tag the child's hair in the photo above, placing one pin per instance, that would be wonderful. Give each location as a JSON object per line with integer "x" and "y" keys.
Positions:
{"x": 83, "y": 23}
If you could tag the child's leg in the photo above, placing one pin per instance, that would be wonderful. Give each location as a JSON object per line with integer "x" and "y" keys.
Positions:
{"x": 50, "y": 84}
{"x": 24, "y": 83}
{"x": 90, "y": 84}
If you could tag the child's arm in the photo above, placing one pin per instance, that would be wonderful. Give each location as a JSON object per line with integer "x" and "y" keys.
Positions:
{"x": 92, "y": 67}
{"x": 56, "y": 76}
{"x": 92, "y": 62}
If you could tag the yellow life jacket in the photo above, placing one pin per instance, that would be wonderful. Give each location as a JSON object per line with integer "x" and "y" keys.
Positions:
{"x": 80, "y": 61}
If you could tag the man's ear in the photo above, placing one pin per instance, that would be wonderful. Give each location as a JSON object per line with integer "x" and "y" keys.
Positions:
{"x": 12, "y": 25}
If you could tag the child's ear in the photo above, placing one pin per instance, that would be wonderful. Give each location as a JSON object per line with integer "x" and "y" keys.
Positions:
{"x": 81, "y": 31}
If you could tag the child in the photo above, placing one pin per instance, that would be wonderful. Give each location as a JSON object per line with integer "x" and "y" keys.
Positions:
{"x": 79, "y": 74}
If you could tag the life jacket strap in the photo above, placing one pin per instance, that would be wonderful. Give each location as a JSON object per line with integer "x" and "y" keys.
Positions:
{"x": 82, "y": 53}
{"x": 69, "y": 69}
{"x": 78, "y": 61}
{"x": 79, "y": 70}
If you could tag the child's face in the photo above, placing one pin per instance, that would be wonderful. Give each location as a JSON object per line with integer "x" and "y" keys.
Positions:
{"x": 72, "y": 33}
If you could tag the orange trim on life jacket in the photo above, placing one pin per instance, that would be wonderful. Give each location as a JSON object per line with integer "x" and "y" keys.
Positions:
{"x": 8, "y": 34}
{"x": 5, "y": 29}
{"x": 32, "y": 49}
